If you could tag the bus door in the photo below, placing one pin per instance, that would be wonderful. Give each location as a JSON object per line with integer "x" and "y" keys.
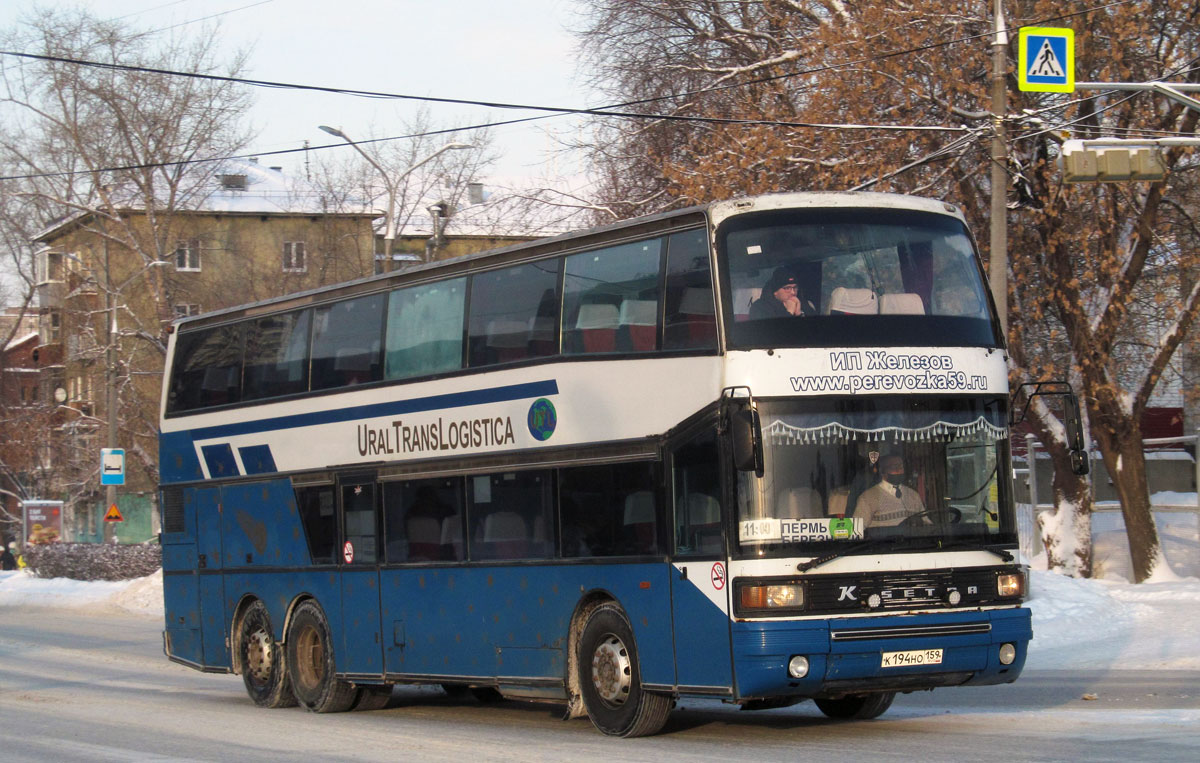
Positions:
{"x": 209, "y": 551}
{"x": 699, "y": 589}
{"x": 362, "y": 653}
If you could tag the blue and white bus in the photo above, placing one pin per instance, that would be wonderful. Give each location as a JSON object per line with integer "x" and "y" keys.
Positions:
{"x": 755, "y": 450}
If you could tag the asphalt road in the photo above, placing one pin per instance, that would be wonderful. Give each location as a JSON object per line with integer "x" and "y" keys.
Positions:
{"x": 88, "y": 686}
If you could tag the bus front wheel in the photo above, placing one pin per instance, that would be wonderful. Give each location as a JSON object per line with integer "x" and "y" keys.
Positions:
{"x": 310, "y": 662}
{"x": 264, "y": 670}
{"x": 610, "y": 680}
{"x": 860, "y": 707}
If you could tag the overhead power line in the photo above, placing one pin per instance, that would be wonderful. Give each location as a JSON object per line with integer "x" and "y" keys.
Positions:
{"x": 607, "y": 111}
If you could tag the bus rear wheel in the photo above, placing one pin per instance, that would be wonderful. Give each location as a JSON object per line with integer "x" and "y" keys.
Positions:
{"x": 859, "y": 707}
{"x": 610, "y": 679}
{"x": 264, "y": 669}
{"x": 310, "y": 662}
{"x": 371, "y": 697}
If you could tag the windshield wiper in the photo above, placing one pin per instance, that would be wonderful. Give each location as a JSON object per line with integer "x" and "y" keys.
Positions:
{"x": 862, "y": 545}
{"x": 1003, "y": 553}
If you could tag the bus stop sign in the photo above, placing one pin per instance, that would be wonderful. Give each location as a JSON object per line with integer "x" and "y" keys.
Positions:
{"x": 112, "y": 466}
{"x": 1046, "y": 60}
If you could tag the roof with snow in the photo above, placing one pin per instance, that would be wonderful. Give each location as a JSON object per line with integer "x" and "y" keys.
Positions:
{"x": 241, "y": 186}
{"x": 18, "y": 341}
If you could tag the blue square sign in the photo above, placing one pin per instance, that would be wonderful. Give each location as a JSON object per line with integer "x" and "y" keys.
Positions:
{"x": 1046, "y": 60}
{"x": 112, "y": 466}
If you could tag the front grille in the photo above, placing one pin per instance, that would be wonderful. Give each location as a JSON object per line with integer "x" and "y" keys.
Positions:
{"x": 868, "y": 634}
{"x": 927, "y": 589}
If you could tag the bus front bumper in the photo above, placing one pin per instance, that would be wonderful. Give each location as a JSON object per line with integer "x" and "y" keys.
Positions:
{"x": 847, "y": 655}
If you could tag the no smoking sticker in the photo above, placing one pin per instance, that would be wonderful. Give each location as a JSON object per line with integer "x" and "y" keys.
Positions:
{"x": 348, "y": 552}
{"x": 718, "y": 576}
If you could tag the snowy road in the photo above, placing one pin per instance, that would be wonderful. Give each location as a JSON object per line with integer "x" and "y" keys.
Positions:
{"x": 94, "y": 686}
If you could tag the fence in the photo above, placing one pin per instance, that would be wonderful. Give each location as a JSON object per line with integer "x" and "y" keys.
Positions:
{"x": 1176, "y": 513}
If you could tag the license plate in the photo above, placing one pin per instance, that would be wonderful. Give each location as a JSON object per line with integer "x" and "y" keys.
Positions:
{"x": 911, "y": 658}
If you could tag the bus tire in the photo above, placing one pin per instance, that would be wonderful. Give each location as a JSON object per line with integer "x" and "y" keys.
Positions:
{"x": 311, "y": 665}
{"x": 859, "y": 707}
{"x": 610, "y": 678}
{"x": 264, "y": 667}
{"x": 372, "y": 697}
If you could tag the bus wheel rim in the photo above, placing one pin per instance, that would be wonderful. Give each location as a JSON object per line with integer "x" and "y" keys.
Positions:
{"x": 258, "y": 656}
{"x": 612, "y": 672}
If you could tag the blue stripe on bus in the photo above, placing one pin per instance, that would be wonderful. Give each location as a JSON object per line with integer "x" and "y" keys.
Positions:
{"x": 257, "y": 459}
{"x": 391, "y": 408}
{"x": 220, "y": 461}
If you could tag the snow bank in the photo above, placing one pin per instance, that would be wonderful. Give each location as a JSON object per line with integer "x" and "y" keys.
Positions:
{"x": 140, "y": 595}
{"x": 1111, "y": 624}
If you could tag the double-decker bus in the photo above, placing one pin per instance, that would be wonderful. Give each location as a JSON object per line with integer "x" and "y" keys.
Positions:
{"x": 755, "y": 450}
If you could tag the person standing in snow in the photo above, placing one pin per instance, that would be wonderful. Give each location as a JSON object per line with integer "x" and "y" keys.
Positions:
{"x": 7, "y": 560}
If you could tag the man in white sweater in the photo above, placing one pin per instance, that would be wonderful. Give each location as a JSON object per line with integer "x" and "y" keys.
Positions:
{"x": 889, "y": 502}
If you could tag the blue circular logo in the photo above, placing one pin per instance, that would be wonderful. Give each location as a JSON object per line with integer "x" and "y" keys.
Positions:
{"x": 542, "y": 419}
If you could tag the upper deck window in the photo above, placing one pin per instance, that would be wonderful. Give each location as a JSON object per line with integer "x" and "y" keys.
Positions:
{"x": 611, "y": 299}
{"x": 425, "y": 329}
{"x": 514, "y": 313}
{"x": 347, "y": 342}
{"x": 843, "y": 277}
{"x": 207, "y": 369}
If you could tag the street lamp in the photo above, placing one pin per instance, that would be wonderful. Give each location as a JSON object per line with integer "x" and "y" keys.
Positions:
{"x": 392, "y": 184}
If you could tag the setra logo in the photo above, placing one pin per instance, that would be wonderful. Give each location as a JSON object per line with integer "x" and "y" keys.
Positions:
{"x": 542, "y": 419}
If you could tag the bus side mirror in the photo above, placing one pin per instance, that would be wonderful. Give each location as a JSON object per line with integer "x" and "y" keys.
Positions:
{"x": 745, "y": 434}
{"x": 1072, "y": 418}
{"x": 1074, "y": 425}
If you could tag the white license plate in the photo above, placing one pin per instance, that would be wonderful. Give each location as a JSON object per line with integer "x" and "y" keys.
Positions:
{"x": 914, "y": 657}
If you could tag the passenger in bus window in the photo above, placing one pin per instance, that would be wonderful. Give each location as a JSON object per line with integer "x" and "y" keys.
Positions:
{"x": 889, "y": 501}
{"x": 781, "y": 298}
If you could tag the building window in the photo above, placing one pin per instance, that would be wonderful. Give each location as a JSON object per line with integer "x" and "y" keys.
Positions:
{"x": 294, "y": 259}
{"x": 184, "y": 310}
{"x": 49, "y": 267}
{"x": 50, "y": 327}
{"x": 187, "y": 255}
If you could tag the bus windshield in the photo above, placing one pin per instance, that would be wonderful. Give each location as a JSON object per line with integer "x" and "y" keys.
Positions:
{"x": 902, "y": 475}
{"x": 843, "y": 271}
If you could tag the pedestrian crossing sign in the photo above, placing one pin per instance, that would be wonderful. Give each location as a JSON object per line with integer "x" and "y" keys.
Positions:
{"x": 1046, "y": 60}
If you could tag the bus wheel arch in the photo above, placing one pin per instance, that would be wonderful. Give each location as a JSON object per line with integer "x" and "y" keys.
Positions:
{"x": 587, "y": 603}
{"x": 310, "y": 661}
{"x": 259, "y": 656}
{"x": 607, "y": 673}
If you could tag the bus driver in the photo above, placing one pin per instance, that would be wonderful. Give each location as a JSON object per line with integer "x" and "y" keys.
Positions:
{"x": 889, "y": 502}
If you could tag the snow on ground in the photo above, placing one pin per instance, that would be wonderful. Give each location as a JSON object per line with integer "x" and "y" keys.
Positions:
{"x": 139, "y": 596}
{"x": 1077, "y": 624}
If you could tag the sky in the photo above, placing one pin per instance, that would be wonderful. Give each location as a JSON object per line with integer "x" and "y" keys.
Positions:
{"x": 515, "y": 51}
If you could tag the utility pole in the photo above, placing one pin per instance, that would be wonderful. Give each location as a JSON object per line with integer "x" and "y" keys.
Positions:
{"x": 110, "y": 381}
{"x": 998, "y": 264}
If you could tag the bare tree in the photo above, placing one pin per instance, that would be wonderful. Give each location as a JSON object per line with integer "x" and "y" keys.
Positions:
{"x": 423, "y": 177}
{"x": 108, "y": 157}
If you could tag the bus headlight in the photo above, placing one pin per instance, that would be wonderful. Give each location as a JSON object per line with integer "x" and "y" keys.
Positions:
{"x": 1008, "y": 653}
{"x": 798, "y": 666}
{"x": 774, "y": 596}
{"x": 1010, "y": 585}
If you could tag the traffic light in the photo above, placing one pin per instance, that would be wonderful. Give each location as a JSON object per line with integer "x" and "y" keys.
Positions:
{"x": 1111, "y": 162}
